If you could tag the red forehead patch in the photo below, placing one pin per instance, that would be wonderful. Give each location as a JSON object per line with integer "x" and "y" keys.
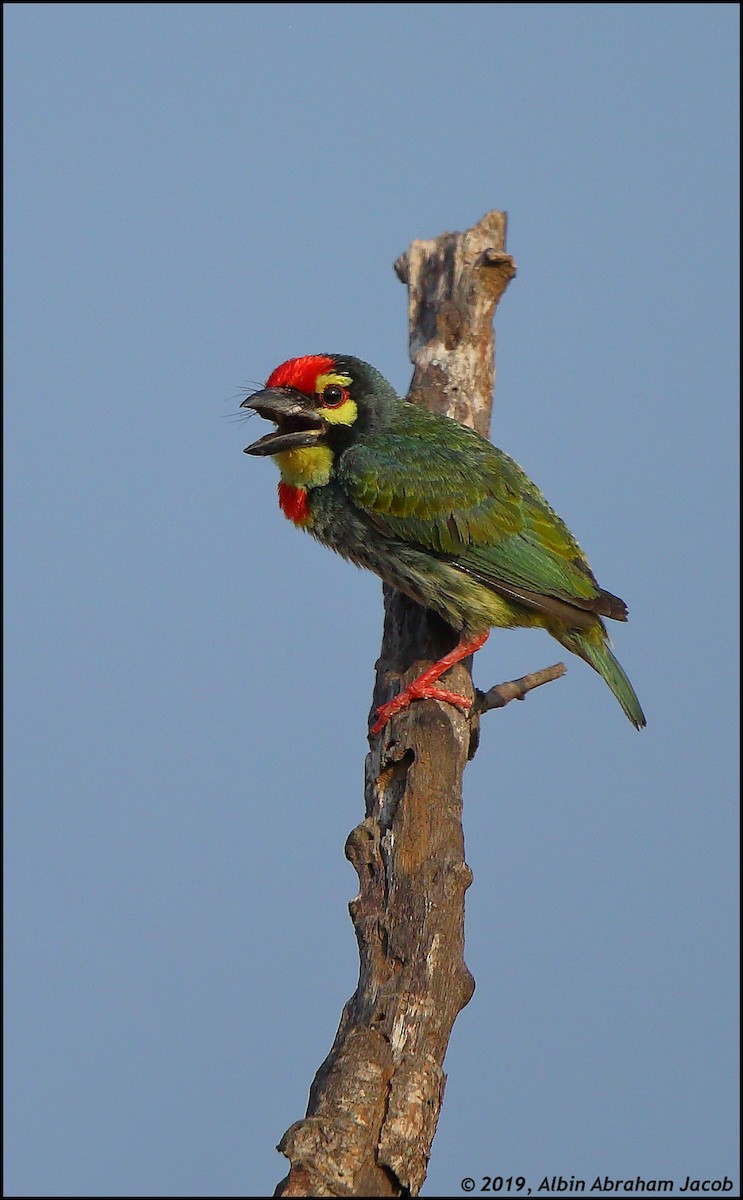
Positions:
{"x": 301, "y": 373}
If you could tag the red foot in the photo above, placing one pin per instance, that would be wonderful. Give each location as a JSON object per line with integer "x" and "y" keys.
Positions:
{"x": 416, "y": 693}
{"x": 422, "y": 688}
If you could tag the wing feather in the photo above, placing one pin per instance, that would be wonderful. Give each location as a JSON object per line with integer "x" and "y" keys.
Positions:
{"x": 438, "y": 485}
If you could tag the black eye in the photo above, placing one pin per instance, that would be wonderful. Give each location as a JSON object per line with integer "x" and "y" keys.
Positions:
{"x": 334, "y": 395}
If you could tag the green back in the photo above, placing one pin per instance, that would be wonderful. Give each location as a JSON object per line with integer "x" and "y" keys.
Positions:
{"x": 432, "y": 482}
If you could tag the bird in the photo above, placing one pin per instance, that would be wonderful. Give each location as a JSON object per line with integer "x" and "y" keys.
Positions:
{"x": 434, "y": 509}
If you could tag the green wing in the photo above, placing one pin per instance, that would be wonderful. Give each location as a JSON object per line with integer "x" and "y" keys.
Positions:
{"x": 433, "y": 483}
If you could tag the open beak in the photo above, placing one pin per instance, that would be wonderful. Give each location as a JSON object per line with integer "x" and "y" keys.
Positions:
{"x": 298, "y": 424}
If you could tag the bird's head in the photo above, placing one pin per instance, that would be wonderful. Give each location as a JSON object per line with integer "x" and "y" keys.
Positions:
{"x": 320, "y": 400}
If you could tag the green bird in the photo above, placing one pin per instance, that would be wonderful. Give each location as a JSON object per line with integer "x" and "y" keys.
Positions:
{"x": 434, "y": 509}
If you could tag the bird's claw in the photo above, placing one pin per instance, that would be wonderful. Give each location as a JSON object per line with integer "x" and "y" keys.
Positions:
{"x": 416, "y": 691}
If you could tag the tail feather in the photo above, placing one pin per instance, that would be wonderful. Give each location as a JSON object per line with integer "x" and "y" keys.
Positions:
{"x": 598, "y": 655}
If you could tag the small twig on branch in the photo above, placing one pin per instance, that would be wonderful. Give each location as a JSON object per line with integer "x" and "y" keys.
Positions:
{"x": 503, "y": 693}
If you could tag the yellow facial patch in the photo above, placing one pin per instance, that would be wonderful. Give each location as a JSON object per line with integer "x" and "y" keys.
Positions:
{"x": 344, "y": 413}
{"x": 306, "y": 466}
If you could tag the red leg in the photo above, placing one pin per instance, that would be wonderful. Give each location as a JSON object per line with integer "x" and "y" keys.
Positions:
{"x": 422, "y": 689}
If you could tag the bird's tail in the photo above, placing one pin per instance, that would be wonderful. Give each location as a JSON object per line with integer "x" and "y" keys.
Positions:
{"x": 595, "y": 651}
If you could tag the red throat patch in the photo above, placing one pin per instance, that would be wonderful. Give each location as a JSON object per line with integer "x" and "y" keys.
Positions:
{"x": 293, "y": 503}
{"x": 301, "y": 373}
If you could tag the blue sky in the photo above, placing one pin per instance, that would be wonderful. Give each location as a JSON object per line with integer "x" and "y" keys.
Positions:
{"x": 193, "y": 194}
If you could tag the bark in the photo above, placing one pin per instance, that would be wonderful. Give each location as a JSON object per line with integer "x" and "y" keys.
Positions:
{"x": 375, "y": 1101}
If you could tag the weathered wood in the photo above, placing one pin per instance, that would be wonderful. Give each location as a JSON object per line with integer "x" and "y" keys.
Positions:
{"x": 375, "y": 1101}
